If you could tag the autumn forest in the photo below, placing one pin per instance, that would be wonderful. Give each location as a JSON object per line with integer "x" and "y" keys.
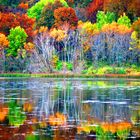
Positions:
{"x": 71, "y": 36}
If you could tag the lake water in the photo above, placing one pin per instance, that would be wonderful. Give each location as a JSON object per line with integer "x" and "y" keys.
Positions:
{"x": 69, "y": 109}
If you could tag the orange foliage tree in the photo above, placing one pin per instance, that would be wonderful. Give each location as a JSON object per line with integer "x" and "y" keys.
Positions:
{"x": 3, "y": 41}
{"x": 65, "y": 15}
{"x": 116, "y": 28}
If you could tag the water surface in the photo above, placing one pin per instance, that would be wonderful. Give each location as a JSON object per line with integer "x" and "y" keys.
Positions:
{"x": 69, "y": 109}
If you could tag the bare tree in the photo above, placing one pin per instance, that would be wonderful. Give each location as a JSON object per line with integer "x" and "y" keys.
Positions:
{"x": 43, "y": 52}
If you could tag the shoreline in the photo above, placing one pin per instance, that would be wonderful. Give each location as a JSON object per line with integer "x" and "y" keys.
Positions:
{"x": 60, "y": 75}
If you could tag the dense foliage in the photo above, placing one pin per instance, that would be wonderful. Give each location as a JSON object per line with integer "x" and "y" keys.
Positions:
{"x": 69, "y": 35}
{"x": 11, "y": 20}
{"x": 65, "y": 15}
{"x": 35, "y": 11}
{"x": 104, "y": 18}
{"x": 47, "y": 14}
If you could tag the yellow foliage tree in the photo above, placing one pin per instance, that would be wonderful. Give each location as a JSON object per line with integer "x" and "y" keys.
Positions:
{"x": 88, "y": 28}
{"x": 58, "y": 34}
{"x": 116, "y": 28}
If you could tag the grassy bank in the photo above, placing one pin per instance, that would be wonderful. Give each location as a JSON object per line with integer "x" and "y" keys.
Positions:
{"x": 57, "y": 75}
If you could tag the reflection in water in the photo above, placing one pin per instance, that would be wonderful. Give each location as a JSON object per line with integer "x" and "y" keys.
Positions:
{"x": 57, "y": 109}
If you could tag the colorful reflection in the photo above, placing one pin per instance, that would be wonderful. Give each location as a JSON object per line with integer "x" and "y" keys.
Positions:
{"x": 48, "y": 109}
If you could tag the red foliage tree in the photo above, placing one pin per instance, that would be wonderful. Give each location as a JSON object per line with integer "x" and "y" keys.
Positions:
{"x": 26, "y": 23}
{"x": 65, "y": 15}
{"x": 7, "y": 21}
{"x": 10, "y": 20}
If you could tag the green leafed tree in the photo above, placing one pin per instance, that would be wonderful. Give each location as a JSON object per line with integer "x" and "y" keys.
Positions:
{"x": 35, "y": 11}
{"x": 124, "y": 20}
{"x": 105, "y": 18}
{"x": 17, "y": 38}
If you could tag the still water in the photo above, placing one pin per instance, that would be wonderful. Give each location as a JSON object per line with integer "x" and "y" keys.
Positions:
{"x": 69, "y": 109}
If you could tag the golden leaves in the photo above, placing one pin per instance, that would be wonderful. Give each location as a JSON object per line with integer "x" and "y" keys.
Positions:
{"x": 58, "y": 34}
{"x": 116, "y": 28}
{"x": 88, "y": 27}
